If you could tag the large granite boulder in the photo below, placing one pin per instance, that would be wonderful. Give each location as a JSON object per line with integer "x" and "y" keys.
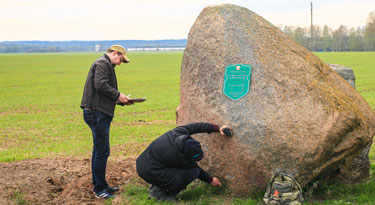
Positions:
{"x": 299, "y": 115}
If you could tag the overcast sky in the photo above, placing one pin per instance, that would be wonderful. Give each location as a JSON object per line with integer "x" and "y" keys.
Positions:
{"x": 156, "y": 19}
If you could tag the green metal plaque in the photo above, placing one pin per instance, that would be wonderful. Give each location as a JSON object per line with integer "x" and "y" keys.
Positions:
{"x": 236, "y": 80}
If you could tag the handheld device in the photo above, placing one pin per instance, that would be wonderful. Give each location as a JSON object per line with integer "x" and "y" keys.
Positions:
{"x": 137, "y": 99}
{"x": 133, "y": 100}
{"x": 228, "y": 132}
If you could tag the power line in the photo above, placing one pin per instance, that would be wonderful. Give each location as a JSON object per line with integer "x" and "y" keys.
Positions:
{"x": 312, "y": 28}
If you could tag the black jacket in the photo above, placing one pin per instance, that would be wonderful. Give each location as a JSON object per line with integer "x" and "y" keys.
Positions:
{"x": 163, "y": 162}
{"x": 100, "y": 92}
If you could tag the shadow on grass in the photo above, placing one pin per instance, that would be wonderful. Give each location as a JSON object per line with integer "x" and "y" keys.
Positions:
{"x": 198, "y": 193}
{"x": 136, "y": 194}
{"x": 339, "y": 193}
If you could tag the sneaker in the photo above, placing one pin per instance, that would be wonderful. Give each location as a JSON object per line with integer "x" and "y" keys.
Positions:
{"x": 170, "y": 197}
{"x": 160, "y": 194}
{"x": 113, "y": 189}
{"x": 104, "y": 194}
{"x": 156, "y": 192}
{"x": 150, "y": 188}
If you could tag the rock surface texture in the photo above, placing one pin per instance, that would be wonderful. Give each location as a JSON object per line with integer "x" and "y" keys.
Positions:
{"x": 299, "y": 115}
{"x": 360, "y": 169}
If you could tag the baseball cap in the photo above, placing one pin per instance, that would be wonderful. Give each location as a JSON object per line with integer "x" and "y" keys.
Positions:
{"x": 122, "y": 50}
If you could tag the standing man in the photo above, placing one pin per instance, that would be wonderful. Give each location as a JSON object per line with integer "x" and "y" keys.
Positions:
{"x": 99, "y": 99}
{"x": 169, "y": 163}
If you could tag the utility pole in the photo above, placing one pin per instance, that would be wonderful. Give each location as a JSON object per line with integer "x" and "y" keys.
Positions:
{"x": 312, "y": 27}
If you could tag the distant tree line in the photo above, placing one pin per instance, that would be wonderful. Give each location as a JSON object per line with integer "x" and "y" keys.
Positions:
{"x": 324, "y": 39}
{"x": 83, "y": 46}
{"x": 340, "y": 39}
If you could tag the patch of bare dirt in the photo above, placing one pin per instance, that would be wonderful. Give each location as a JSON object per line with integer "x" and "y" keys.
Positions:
{"x": 59, "y": 180}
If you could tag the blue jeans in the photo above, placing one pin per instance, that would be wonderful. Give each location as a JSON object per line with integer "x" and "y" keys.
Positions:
{"x": 99, "y": 124}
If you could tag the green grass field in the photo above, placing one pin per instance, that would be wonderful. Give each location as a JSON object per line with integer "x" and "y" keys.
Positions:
{"x": 40, "y": 115}
{"x": 41, "y": 93}
{"x": 363, "y": 64}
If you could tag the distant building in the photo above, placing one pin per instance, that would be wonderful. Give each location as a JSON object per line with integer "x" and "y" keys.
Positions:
{"x": 156, "y": 49}
{"x": 98, "y": 47}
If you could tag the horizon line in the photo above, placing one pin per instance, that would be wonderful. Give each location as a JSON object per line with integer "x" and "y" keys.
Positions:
{"x": 94, "y": 40}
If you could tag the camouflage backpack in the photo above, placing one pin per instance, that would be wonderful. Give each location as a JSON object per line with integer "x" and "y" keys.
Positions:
{"x": 283, "y": 189}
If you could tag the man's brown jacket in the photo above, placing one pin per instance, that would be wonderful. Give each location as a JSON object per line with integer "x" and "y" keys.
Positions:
{"x": 100, "y": 92}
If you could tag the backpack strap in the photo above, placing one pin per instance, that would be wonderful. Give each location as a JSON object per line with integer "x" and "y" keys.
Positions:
{"x": 296, "y": 182}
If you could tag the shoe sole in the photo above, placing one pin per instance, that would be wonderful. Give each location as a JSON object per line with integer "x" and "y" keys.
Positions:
{"x": 105, "y": 197}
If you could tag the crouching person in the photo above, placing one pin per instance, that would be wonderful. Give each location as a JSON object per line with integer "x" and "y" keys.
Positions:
{"x": 169, "y": 163}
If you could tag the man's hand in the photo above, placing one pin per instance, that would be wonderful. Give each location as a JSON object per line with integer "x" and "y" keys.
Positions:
{"x": 122, "y": 98}
{"x": 215, "y": 182}
{"x": 223, "y": 128}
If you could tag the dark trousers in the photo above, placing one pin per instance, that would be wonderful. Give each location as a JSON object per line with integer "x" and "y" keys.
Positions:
{"x": 191, "y": 175}
{"x": 99, "y": 124}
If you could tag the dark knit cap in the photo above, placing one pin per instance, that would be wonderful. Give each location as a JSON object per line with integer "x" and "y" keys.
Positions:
{"x": 193, "y": 150}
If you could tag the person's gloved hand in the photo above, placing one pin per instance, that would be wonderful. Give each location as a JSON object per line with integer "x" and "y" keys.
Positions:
{"x": 226, "y": 130}
{"x": 215, "y": 182}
